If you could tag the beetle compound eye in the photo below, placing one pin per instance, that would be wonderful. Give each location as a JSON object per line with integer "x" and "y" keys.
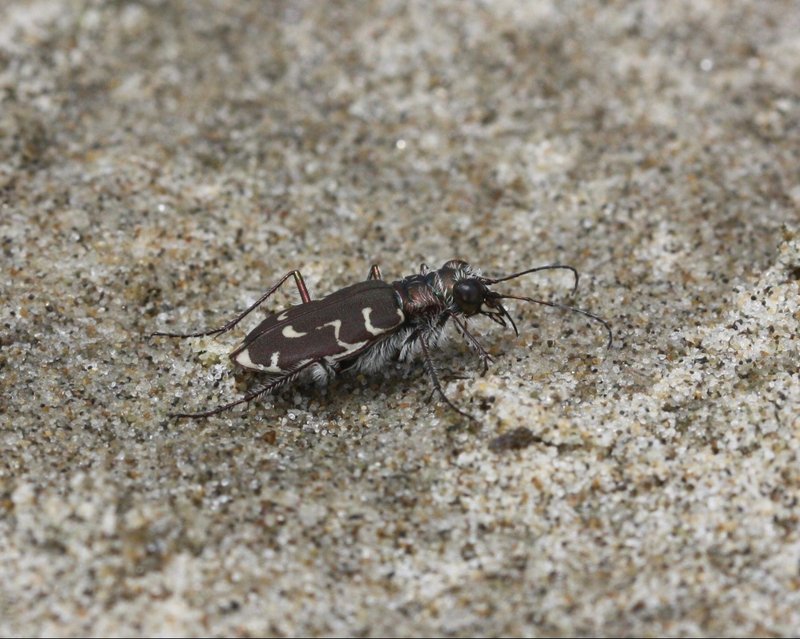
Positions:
{"x": 468, "y": 296}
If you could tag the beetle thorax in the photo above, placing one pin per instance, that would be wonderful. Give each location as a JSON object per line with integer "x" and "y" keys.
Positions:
{"x": 430, "y": 294}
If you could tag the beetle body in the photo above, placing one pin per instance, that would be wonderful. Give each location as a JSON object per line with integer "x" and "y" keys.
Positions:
{"x": 320, "y": 333}
{"x": 365, "y": 326}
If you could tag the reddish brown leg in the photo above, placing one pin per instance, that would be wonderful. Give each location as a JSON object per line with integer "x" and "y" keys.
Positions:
{"x": 301, "y": 287}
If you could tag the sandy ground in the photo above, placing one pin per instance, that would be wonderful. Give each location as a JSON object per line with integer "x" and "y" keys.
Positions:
{"x": 163, "y": 163}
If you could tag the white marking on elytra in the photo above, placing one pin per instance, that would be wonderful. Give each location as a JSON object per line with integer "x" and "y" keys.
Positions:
{"x": 243, "y": 359}
{"x": 282, "y": 316}
{"x": 349, "y": 348}
{"x": 288, "y": 331}
{"x": 366, "y": 312}
{"x": 337, "y": 326}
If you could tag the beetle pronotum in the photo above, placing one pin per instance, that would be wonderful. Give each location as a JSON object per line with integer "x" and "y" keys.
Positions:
{"x": 364, "y": 326}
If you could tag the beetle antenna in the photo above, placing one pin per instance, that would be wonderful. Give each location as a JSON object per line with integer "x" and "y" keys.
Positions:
{"x": 564, "y": 307}
{"x": 489, "y": 280}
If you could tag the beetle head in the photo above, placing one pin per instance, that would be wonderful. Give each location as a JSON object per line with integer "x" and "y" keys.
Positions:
{"x": 472, "y": 295}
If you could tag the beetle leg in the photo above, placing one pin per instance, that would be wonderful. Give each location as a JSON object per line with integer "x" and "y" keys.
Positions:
{"x": 301, "y": 287}
{"x": 375, "y": 273}
{"x": 474, "y": 343}
{"x": 249, "y": 397}
{"x": 431, "y": 368}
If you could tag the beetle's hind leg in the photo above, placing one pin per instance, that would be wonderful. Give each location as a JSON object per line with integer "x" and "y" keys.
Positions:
{"x": 274, "y": 385}
{"x": 301, "y": 287}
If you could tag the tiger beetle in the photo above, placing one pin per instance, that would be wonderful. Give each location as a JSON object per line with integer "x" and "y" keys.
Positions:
{"x": 365, "y": 326}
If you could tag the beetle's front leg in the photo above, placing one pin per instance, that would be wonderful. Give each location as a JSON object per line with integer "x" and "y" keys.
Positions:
{"x": 437, "y": 386}
{"x": 473, "y": 343}
{"x": 301, "y": 287}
